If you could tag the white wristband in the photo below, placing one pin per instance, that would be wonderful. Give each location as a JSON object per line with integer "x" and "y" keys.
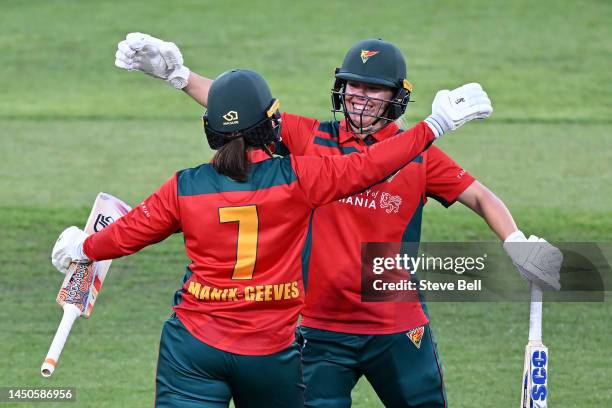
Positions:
{"x": 179, "y": 77}
{"x": 435, "y": 126}
{"x": 516, "y": 236}
{"x": 80, "y": 253}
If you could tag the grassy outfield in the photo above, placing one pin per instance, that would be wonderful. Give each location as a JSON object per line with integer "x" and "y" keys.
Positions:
{"x": 72, "y": 125}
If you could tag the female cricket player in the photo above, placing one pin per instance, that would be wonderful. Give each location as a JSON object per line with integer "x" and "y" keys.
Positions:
{"x": 244, "y": 218}
{"x": 389, "y": 342}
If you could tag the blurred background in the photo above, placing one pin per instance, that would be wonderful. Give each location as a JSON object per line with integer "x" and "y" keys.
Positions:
{"x": 71, "y": 125}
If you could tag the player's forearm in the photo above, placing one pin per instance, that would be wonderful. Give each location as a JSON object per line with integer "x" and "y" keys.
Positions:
{"x": 382, "y": 159}
{"x": 538, "y": 262}
{"x": 486, "y": 204}
{"x": 346, "y": 175}
{"x": 156, "y": 218}
{"x": 107, "y": 244}
{"x": 127, "y": 235}
{"x": 198, "y": 87}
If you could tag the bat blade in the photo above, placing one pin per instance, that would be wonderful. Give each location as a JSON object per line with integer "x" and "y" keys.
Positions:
{"x": 106, "y": 210}
{"x": 83, "y": 282}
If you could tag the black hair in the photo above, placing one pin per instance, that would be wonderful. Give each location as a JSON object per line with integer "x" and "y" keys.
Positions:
{"x": 232, "y": 161}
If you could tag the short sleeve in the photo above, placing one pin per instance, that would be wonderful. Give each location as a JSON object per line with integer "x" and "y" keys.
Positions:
{"x": 445, "y": 179}
{"x": 296, "y": 133}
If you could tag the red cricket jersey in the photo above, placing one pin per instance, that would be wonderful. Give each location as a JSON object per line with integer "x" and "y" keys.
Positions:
{"x": 389, "y": 211}
{"x": 243, "y": 291}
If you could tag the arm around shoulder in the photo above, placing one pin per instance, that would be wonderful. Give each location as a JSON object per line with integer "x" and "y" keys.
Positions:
{"x": 327, "y": 178}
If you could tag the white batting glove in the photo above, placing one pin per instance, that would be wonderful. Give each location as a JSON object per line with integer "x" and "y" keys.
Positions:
{"x": 69, "y": 248}
{"x": 536, "y": 260}
{"x": 451, "y": 109}
{"x": 160, "y": 59}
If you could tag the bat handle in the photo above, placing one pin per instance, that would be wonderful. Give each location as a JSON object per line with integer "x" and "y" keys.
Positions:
{"x": 71, "y": 312}
{"x": 535, "y": 314}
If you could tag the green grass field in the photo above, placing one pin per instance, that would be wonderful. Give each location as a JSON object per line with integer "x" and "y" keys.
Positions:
{"x": 71, "y": 124}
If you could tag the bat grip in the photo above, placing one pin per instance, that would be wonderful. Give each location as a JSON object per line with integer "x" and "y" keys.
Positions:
{"x": 71, "y": 312}
{"x": 535, "y": 314}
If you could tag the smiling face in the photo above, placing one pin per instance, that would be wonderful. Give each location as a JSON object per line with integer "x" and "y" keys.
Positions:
{"x": 364, "y": 103}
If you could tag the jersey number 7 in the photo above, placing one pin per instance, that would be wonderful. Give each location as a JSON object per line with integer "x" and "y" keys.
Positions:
{"x": 248, "y": 229}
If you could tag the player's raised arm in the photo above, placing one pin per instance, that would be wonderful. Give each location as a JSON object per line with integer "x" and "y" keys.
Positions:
{"x": 163, "y": 60}
{"x": 324, "y": 179}
{"x": 198, "y": 87}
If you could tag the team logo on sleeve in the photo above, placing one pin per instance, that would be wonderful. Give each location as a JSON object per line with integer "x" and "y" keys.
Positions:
{"x": 392, "y": 203}
{"x": 416, "y": 335}
{"x": 366, "y": 54}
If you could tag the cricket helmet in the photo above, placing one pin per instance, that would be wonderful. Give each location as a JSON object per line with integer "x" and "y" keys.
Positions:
{"x": 240, "y": 104}
{"x": 377, "y": 62}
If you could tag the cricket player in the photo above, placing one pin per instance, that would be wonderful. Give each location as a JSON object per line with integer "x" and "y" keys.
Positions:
{"x": 390, "y": 343}
{"x": 244, "y": 218}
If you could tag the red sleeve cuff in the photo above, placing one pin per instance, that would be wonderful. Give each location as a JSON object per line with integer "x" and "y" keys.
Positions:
{"x": 451, "y": 197}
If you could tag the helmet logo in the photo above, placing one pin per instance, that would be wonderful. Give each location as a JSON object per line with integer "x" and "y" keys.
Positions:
{"x": 231, "y": 118}
{"x": 366, "y": 54}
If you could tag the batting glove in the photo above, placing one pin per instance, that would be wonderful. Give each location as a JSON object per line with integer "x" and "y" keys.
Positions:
{"x": 536, "y": 260}
{"x": 69, "y": 248}
{"x": 160, "y": 59}
{"x": 451, "y": 109}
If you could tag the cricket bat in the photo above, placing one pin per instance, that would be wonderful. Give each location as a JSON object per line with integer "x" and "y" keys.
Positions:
{"x": 83, "y": 281}
{"x": 535, "y": 387}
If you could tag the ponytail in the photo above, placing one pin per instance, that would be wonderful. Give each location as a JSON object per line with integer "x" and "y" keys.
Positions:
{"x": 231, "y": 160}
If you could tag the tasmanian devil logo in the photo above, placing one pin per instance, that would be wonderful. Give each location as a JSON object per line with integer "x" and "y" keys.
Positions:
{"x": 366, "y": 54}
{"x": 416, "y": 335}
{"x": 390, "y": 202}
{"x": 102, "y": 222}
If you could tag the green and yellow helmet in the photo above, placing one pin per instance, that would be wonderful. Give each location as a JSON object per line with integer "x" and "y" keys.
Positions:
{"x": 377, "y": 62}
{"x": 240, "y": 104}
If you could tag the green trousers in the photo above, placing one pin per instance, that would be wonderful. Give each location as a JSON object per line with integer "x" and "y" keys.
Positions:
{"x": 403, "y": 368}
{"x": 193, "y": 374}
